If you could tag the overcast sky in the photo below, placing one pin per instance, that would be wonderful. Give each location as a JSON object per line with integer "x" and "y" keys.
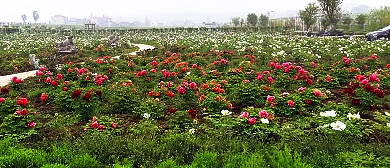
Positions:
{"x": 11, "y": 10}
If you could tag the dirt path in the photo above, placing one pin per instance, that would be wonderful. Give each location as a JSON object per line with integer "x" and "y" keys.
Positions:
{"x": 4, "y": 80}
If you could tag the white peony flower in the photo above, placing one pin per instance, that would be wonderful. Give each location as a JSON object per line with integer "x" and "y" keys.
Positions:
{"x": 338, "y": 125}
{"x": 353, "y": 116}
{"x": 331, "y": 113}
{"x": 387, "y": 113}
{"x": 188, "y": 73}
{"x": 146, "y": 115}
{"x": 191, "y": 131}
{"x": 226, "y": 112}
{"x": 264, "y": 120}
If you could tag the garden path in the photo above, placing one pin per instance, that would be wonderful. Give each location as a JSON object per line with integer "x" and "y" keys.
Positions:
{"x": 4, "y": 80}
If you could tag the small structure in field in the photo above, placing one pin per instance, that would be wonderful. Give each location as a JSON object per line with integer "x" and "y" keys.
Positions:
{"x": 67, "y": 47}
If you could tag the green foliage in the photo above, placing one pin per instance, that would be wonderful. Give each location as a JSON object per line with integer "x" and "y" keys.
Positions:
{"x": 332, "y": 10}
{"x": 60, "y": 155}
{"x": 285, "y": 158}
{"x": 23, "y": 158}
{"x": 206, "y": 160}
{"x": 84, "y": 161}
{"x": 308, "y": 15}
{"x": 168, "y": 164}
{"x": 251, "y": 19}
{"x": 54, "y": 166}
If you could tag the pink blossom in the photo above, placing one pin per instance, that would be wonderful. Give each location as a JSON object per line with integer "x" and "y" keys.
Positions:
{"x": 48, "y": 80}
{"x": 192, "y": 85}
{"x": 2, "y": 100}
{"x": 270, "y": 98}
{"x": 39, "y": 73}
{"x": 31, "y": 124}
{"x": 181, "y": 90}
{"x": 263, "y": 114}
{"x": 251, "y": 121}
{"x": 244, "y": 115}
{"x": 270, "y": 80}
{"x": 259, "y": 77}
{"x": 317, "y": 93}
{"x": 42, "y": 68}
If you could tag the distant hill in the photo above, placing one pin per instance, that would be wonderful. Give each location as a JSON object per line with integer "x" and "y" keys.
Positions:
{"x": 360, "y": 9}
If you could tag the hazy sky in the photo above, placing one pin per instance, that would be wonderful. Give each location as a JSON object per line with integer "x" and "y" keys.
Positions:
{"x": 11, "y": 10}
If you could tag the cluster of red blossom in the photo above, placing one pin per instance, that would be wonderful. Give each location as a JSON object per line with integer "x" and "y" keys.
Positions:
{"x": 221, "y": 62}
{"x": 105, "y": 59}
{"x": 362, "y": 80}
{"x": 17, "y": 80}
{"x": 87, "y": 96}
{"x": 95, "y": 125}
{"x": 251, "y": 56}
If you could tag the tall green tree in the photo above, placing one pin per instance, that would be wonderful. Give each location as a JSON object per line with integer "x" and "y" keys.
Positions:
{"x": 242, "y": 22}
{"x": 36, "y": 16}
{"x": 361, "y": 20}
{"x": 309, "y": 15}
{"x": 251, "y": 19}
{"x": 236, "y": 21}
{"x": 347, "y": 20}
{"x": 263, "y": 20}
{"x": 332, "y": 10}
{"x": 24, "y": 18}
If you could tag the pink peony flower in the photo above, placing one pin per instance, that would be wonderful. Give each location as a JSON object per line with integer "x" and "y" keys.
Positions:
{"x": 259, "y": 77}
{"x": 39, "y": 73}
{"x": 270, "y": 80}
{"x": 42, "y": 68}
{"x": 263, "y": 114}
{"x": 251, "y": 121}
{"x": 48, "y": 80}
{"x": 113, "y": 125}
{"x": 270, "y": 98}
{"x": 60, "y": 76}
{"x": 95, "y": 125}
{"x": 244, "y": 115}
{"x": 317, "y": 93}
{"x": 31, "y": 124}
{"x": 2, "y": 100}
{"x": 181, "y": 90}
{"x": 192, "y": 85}
{"x": 22, "y": 102}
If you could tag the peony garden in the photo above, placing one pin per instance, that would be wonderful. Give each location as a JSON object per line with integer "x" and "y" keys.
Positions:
{"x": 197, "y": 99}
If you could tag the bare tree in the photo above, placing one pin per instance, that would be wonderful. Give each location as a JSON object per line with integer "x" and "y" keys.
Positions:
{"x": 24, "y": 18}
{"x": 36, "y": 16}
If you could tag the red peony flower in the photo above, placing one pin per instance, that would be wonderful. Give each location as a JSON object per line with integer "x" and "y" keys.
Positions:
{"x": 2, "y": 100}
{"x": 153, "y": 70}
{"x": 31, "y": 124}
{"x": 202, "y": 98}
{"x": 54, "y": 83}
{"x": 317, "y": 93}
{"x": 379, "y": 93}
{"x": 76, "y": 93}
{"x": 22, "y": 113}
{"x": 44, "y": 97}
{"x": 308, "y": 101}
{"x": 290, "y": 103}
{"x": 95, "y": 125}
{"x": 167, "y": 74}
{"x": 271, "y": 64}
{"x": 60, "y": 76}
{"x": 192, "y": 85}
{"x": 244, "y": 115}
{"x": 48, "y": 80}
{"x": 251, "y": 121}
{"x": 355, "y": 102}
{"x": 22, "y": 102}
{"x": 193, "y": 113}
{"x": 113, "y": 125}
{"x": 154, "y": 63}
{"x": 4, "y": 90}
{"x": 87, "y": 96}
{"x": 309, "y": 81}
{"x": 171, "y": 94}
{"x": 151, "y": 93}
{"x": 65, "y": 89}
{"x": 39, "y": 73}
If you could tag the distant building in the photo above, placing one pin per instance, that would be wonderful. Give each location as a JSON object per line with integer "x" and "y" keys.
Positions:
{"x": 103, "y": 21}
{"x": 210, "y": 25}
{"x": 59, "y": 19}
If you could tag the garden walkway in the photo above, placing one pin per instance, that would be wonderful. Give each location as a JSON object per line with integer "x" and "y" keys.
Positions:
{"x": 4, "y": 80}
